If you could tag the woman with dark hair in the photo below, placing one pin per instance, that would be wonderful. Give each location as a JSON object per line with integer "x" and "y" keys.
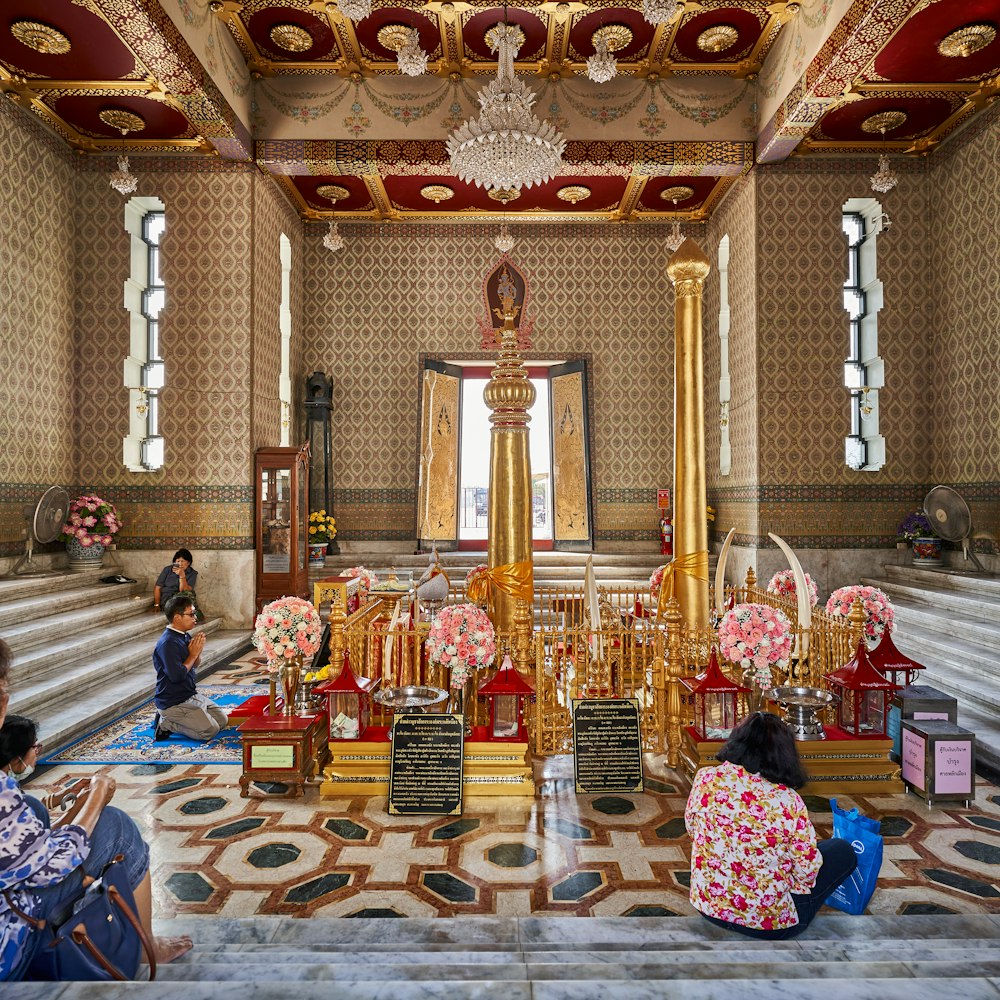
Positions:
{"x": 756, "y": 867}
{"x": 176, "y": 578}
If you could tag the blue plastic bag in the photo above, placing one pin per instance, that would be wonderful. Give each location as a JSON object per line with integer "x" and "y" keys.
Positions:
{"x": 862, "y": 833}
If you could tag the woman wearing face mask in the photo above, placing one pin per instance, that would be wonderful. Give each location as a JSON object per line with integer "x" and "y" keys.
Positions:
{"x": 43, "y": 866}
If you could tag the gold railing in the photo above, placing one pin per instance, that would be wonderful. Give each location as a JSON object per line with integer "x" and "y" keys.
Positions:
{"x": 624, "y": 657}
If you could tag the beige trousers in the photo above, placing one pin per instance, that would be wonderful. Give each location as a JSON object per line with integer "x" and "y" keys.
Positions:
{"x": 198, "y": 718}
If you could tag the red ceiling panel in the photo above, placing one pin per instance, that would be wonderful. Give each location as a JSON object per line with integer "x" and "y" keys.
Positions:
{"x": 359, "y": 201}
{"x": 323, "y": 42}
{"x": 82, "y": 111}
{"x": 650, "y": 200}
{"x": 534, "y": 28}
{"x": 642, "y": 32}
{"x": 922, "y": 115}
{"x": 368, "y": 29}
{"x": 911, "y": 56}
{"x": 746, "y": 24}
{"x": 96, "y": 52}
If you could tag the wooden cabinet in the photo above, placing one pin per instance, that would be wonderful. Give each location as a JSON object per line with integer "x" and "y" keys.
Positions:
{"x": 281, "y": 485}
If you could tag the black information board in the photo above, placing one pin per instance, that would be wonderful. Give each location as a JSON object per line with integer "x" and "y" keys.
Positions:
{"x": 607, "y": 748}
{"x": 425, "y": 771}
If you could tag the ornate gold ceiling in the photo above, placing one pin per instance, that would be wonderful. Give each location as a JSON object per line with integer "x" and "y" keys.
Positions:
{"x": 316, "y": 99}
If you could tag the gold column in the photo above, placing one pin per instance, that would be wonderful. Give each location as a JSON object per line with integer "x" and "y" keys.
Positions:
{"x": 687, "y": 270}
{"x": 509, "y": 394}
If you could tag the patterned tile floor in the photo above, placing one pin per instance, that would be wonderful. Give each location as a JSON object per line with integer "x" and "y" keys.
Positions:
{"x": 559, "y": 853}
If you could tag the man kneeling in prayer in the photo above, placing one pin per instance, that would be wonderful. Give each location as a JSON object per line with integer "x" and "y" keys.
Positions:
{"x": 179, "y": 707}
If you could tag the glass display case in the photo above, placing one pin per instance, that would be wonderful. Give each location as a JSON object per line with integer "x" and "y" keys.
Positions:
{"x": 281, "y": 483}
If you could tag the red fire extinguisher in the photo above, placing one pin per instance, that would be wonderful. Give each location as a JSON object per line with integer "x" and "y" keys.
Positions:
{"x": 666, "y": 535}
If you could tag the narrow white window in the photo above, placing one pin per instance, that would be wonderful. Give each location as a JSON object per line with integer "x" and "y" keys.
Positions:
{"x": 144, "y": 372}
{"x": 285, "y": 325}
{"x": 864, "y": 371}
{"x": 725, "y": 451}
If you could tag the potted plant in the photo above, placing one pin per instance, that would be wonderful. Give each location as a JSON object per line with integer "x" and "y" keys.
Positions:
{"x": 88, "y": 531}
{"x": 322, "y": 531}
{"x": 917, "y": 529}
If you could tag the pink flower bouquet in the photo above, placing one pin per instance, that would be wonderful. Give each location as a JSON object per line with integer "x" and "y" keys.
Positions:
{"x": 756, "y": 637}
{"x": 286, "y": 628}
{"x": 655, "y": 579}
{"x": 475, "y": 573}
{"x": 879, "y": 614}
{"x": 462, "y": 639}
{"x": 783, "y": 584}
{"x": 369, "y": 579}
{"x": 91, "y": 521}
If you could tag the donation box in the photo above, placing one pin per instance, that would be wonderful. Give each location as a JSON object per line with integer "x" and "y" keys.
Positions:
{"x": 939, "y": 760}
{"x": 920, "y": 702}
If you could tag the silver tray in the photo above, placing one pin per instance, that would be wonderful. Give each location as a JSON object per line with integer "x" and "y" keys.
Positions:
{"x": 412, "y": 697}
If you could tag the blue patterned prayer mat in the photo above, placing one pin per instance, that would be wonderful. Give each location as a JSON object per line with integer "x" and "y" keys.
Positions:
{"x": 129, "y": 738}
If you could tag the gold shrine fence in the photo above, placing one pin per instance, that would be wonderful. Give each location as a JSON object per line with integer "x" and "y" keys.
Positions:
{"x": 627, "y": 656}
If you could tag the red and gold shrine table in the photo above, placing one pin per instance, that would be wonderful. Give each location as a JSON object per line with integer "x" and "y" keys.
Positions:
{"x": 285, "y": 749}
{"x": 839, "y": 765}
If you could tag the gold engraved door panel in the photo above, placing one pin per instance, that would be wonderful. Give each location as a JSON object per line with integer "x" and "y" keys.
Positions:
{"x": 440, "y": 435}
{"x": 572, "y": 520}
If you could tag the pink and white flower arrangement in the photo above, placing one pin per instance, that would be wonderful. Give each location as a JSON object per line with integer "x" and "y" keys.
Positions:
{"x": 880, "y": 616}
{"x": 783, "y": 584}
{"x": 756, "y": 637}
{"x": 369, "y": 579}
{"x": 462, "y": 639}
{"x": 655, "y": 579}
{"x": 287, "y": 627}
{"x": 91, "y": 521}
{"x": 475, "y": 573}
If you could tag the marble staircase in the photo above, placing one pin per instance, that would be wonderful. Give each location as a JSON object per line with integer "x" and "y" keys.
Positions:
{"x": 949, "y": 620}
{"x": 911, "y": 957}
{"x": 82, "y": 649}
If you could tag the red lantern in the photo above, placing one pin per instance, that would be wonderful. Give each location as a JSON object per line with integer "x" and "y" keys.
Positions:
{"x": 864, "y": 695}
{"x": 506, "y": 692}
{"x": 349, "y": 703}
{"x": 893, "y": 665}
{"x": 716, "y": 701}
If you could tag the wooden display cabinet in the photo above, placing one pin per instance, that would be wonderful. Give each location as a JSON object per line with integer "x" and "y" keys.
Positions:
{"x": 281, "y": 533}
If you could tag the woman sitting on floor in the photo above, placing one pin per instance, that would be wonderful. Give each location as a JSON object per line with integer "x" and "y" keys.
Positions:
{"x": 756, "y": 867}
{"x": 44, "y": 866}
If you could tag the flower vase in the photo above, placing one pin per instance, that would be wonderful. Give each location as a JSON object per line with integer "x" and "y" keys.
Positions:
{"x": 84, "y": 557}
{"x": 317, "y": 553}
{"x": 291, "y": 672}
{"x": 462, "y": 702}
{"x": 755, "y": 696}
{"x": 926, "y": 551}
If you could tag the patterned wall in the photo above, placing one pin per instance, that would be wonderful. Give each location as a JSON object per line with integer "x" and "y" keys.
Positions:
{"x": 393, "y": 293}
{"x": 36, "y": 309}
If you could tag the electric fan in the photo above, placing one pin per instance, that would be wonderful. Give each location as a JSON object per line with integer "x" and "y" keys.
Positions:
{"x": 43, "y": 524}
{"x": 951, "y": 518}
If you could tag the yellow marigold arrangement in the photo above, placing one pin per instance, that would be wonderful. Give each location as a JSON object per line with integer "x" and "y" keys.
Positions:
{"x": 322, "y": 527}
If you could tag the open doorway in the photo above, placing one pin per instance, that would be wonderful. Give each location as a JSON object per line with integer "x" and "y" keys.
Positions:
{"x": 474, "y": 462}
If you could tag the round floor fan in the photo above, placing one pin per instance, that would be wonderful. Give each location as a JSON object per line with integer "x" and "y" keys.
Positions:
{"x": 44, "y": 521}
{"x": 951, "y": 518}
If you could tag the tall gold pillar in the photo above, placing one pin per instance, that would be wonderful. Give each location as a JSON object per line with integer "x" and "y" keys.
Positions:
{"x": 687, "y": 270}
{"x": 509, "y": 394}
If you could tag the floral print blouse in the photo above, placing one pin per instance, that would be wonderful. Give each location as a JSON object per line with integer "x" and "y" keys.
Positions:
{"x": 753, "y": 845}
{"x": 31, "y": 856}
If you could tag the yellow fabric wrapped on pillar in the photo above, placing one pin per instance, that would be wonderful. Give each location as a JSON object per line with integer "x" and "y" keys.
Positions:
{"x": 515, "y": 579}
{"x": 694, "y": 564}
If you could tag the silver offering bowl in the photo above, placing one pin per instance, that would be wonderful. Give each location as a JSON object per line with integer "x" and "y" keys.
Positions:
{"x": 411, "y": 698}
{"x": 801, "y": 705}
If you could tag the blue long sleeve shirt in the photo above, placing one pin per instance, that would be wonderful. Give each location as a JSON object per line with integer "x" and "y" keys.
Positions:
{"x": 174, "y": 682}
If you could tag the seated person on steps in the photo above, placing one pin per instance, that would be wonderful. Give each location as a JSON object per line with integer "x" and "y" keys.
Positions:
{"x": 179, "y": 707}
{"x": 179, "y": 577}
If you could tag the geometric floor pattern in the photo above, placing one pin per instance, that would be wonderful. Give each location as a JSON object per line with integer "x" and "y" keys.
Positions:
{"x": 558, "y": 854}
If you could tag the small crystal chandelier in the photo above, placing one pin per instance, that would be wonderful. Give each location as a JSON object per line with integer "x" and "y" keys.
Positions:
{"x": 504, "y": 242}
{"x": 356, "y": 10}
{"x": 508, "y": 146}
{"x": 602, "y": 66}
{"x": 884, "y": 179}
{"x": 122, "y": 179}
{"x": 333, "y": 240}
{"x": 661, "y": 11}
{"x": 411, "y": 58}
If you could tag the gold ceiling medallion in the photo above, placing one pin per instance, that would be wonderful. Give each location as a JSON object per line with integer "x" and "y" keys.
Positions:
{"x": 884, "y": 121}
{"x": 393, "y": 36}
{"x": 718, "y": 38}
{"x": 573, "y": 193}
{"x": 291, "y": 37}
{"x": 41, "y": 37}
{"x": 121, "y": 120}
{"x": 680, "y": 192}
{"x": 333, "y": 192}
{"x": 436, "y": 192}
{"x": 967, "y": 41}
{"x": 504, "y": 195}
{"x": 615, "y": 36}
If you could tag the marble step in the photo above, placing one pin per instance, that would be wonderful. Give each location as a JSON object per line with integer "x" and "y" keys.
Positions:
{"x": 975, "y": 663}
{"x": 949, "y": 623}
{"x": 53, "y": 628}
{"x": 16, "y": 587}
{"x": 967, "y": 605}
{"x": 24, "y": 610}
{"x": 962, "y": 581}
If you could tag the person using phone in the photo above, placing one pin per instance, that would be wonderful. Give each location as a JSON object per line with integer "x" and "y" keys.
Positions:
{"x": 179, "y": 577}
{"x": 43, "y": 866}
{"x": 179, "y": 706}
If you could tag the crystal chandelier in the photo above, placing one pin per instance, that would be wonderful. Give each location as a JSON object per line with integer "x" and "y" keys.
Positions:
{"x": 504, "y": 242}
{"x": 661, "y": 11}
{"x": 411, "y": 58}
{"x": 356, "y": 10}
{"x": 884, "y": 179}
{"x": 122, "y": 179}
{"x": 508, "y": 146}
{"x": 602, "y": 66}
{"x": 333, "y": 240}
